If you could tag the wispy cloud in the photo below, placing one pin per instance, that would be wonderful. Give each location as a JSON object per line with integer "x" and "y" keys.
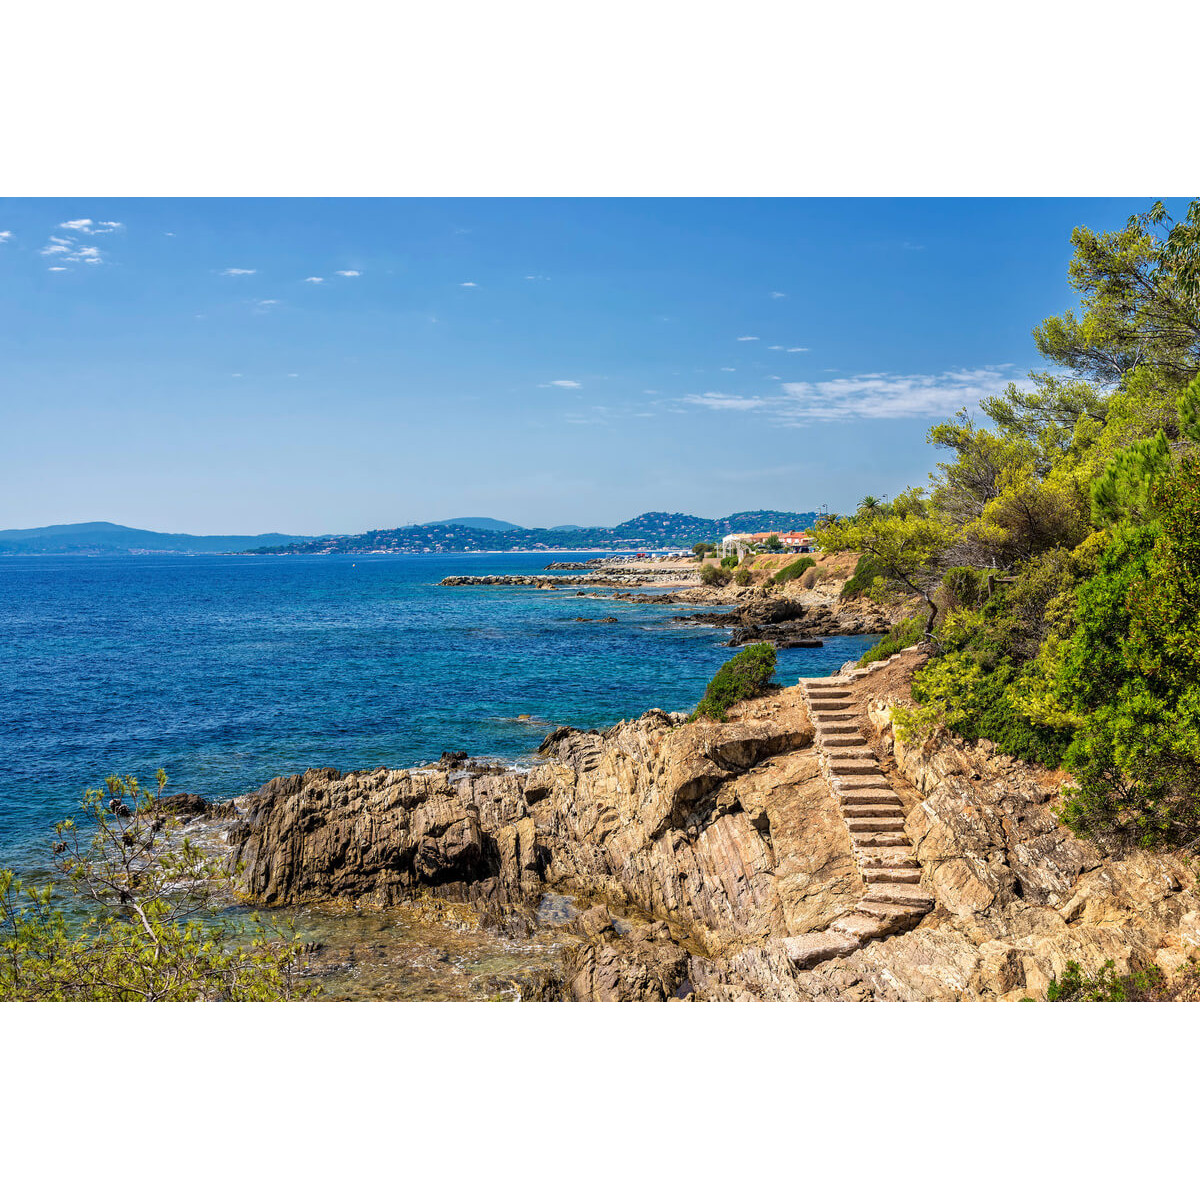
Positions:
{"x": 729, "y": 368}
{"x": 264, "y": 306}
{"x": 724, "y": 401}
{"x": 348, "y": 274}
{"x": 5, "y": 234}
{"x": 530, "y": 277}
{"x": 748, "y": 338}
{"x": 797, "y": 349}
{"x": 562, "y": 383}
{"x": 240, "y": 271}
{"x": 56, "y": 268}
{"x": 879, "y": 395}
{"x": 779, "y": 295}
{"x": 315, "y": 279}
{"x": 468, "y": 284}
{"x": 87, "y": 225}
{"x": 911, "y": 246}
{"x": 882, "y": 395}
{"x": 72, "y": 251}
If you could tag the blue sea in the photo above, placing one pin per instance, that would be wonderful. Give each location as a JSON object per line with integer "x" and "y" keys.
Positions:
{"x": 228, "y": 670}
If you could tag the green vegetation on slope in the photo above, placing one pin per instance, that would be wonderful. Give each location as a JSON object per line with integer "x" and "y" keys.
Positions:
{"x": 1055, "y": 559}
{"x": 746, "y": 675}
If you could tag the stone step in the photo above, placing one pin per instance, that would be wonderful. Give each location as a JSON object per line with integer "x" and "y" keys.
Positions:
{"x": 907, "y": 894}
{"x": 846, "y": 754}
{"x": 829, "y": 693}
{"x": 889, "y": 873}
{"x": 875, "y": 824}
{"x": 843, "y": 739}
{"x": 869, "y": 839}
{"x": 889, "y": 856}
{"x": 830, "y": 706}
{"x": 872, "y": 810}
{"x": 889, "y": 919}
{"x": 845, "y": 784}
{"x": 809, "y": 949}
{"x": 867, "y": 795}
{"x": 837, "y": 729}
{"x": 860, "y": 926}
{"x": 856, "y": 766}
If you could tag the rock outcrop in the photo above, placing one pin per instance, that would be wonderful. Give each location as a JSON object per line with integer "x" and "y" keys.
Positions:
{"x": 700, "y": 852}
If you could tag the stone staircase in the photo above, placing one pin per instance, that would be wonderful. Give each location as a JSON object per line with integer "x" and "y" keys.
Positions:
{"x": 893, "y": 901}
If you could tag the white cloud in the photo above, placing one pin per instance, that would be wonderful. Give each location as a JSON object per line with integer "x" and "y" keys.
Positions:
{"x": 72, "y": 251}
{"x": 468, "y": 284}
{"x": 240, "y": 271}
{"x": 527, "y": 277}
{"x": 562, "y": 383}
{"x": 649, "y": 392}
{"x": 5, "y": 234}
{"x": 293, "y": 374}
{"x": 774, "y": 347}
{"x": 315, "y": 279}
{"x": 886, "y": 395}
{"x": 729, "y": 368}
{"x": 724, "y": 401}
{"x": 56, "y": 268}
{"x": 779, "y": 295}
{"x": 348, "y": 274}
{"x": 748, "y": 338}
{"x": 87, "y": 225}
{"x": 168, "y": 235}
{"x": 84, "y": 225}
{"x": 797, "y": 349}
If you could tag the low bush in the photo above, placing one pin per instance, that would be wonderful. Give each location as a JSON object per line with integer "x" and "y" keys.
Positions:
{"x": 899, "y": 637}
{"x": 712, "y": 576}
{"x": 742, "y": 578}
{"x": 729, "y": 561}
{"x": 746, "y": 675}
{"x": 812, "y": 577}
{"x": 865, "y": 574}
{"x": 794, "y": 569}
{"x": 1106, "y": 986}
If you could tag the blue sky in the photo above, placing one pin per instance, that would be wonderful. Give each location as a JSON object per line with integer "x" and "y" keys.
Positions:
{"x": 315, "y": 366}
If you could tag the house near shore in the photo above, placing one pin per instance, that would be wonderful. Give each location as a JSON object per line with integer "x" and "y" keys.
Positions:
{"x": 793, "y": 542}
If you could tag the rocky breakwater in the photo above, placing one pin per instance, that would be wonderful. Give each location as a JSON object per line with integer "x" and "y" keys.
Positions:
{"x": 538, "y": 581}
{"x": 709, "y": 838}
{"x": 794, "y": 617}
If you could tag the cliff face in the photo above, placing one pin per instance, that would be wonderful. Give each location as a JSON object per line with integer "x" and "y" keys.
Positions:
{"x": 722, "y": 841}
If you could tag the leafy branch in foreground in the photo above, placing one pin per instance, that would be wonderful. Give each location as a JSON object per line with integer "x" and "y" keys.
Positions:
{"x": 153, "y": 927}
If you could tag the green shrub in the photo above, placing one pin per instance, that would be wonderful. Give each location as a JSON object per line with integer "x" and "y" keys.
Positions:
{"x": 794, "y": 569}
{"x": 742, "y": 578}
{"x": 865, "y": 574}
{"x": 899, "y": 637}
{"x": 744, "y": 676}
{"x": 712, "y": 576}
{"x": 965, "y": 587}
{"x": 1106, "y": 986}
{"x": 730, "y": 560}
{"x": 150, "y": 918}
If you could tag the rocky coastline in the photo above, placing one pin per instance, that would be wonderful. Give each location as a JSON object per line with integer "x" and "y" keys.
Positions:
{"x": 696, "y": 857}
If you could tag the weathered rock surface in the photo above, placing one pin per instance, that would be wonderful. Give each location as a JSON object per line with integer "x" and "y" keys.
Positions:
{"x": 721, "y": 844}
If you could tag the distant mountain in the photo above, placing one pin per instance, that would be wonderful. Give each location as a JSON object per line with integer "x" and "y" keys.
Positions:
{"x": 650, "y": 531}
{"x": 477, "y": 523}
{"x": 102, "y": 537}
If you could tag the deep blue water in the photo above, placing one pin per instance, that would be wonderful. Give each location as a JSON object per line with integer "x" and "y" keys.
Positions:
{"x": 226, "y": 671}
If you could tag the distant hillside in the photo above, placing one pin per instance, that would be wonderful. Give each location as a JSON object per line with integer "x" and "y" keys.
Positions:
{"x": 102, "y": 537}
{"x": 650, "y": 531}
{"x": 477, "y": 523}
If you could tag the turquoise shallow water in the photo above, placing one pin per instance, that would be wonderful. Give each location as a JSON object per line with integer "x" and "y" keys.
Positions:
{"x": 227, "y": 671}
